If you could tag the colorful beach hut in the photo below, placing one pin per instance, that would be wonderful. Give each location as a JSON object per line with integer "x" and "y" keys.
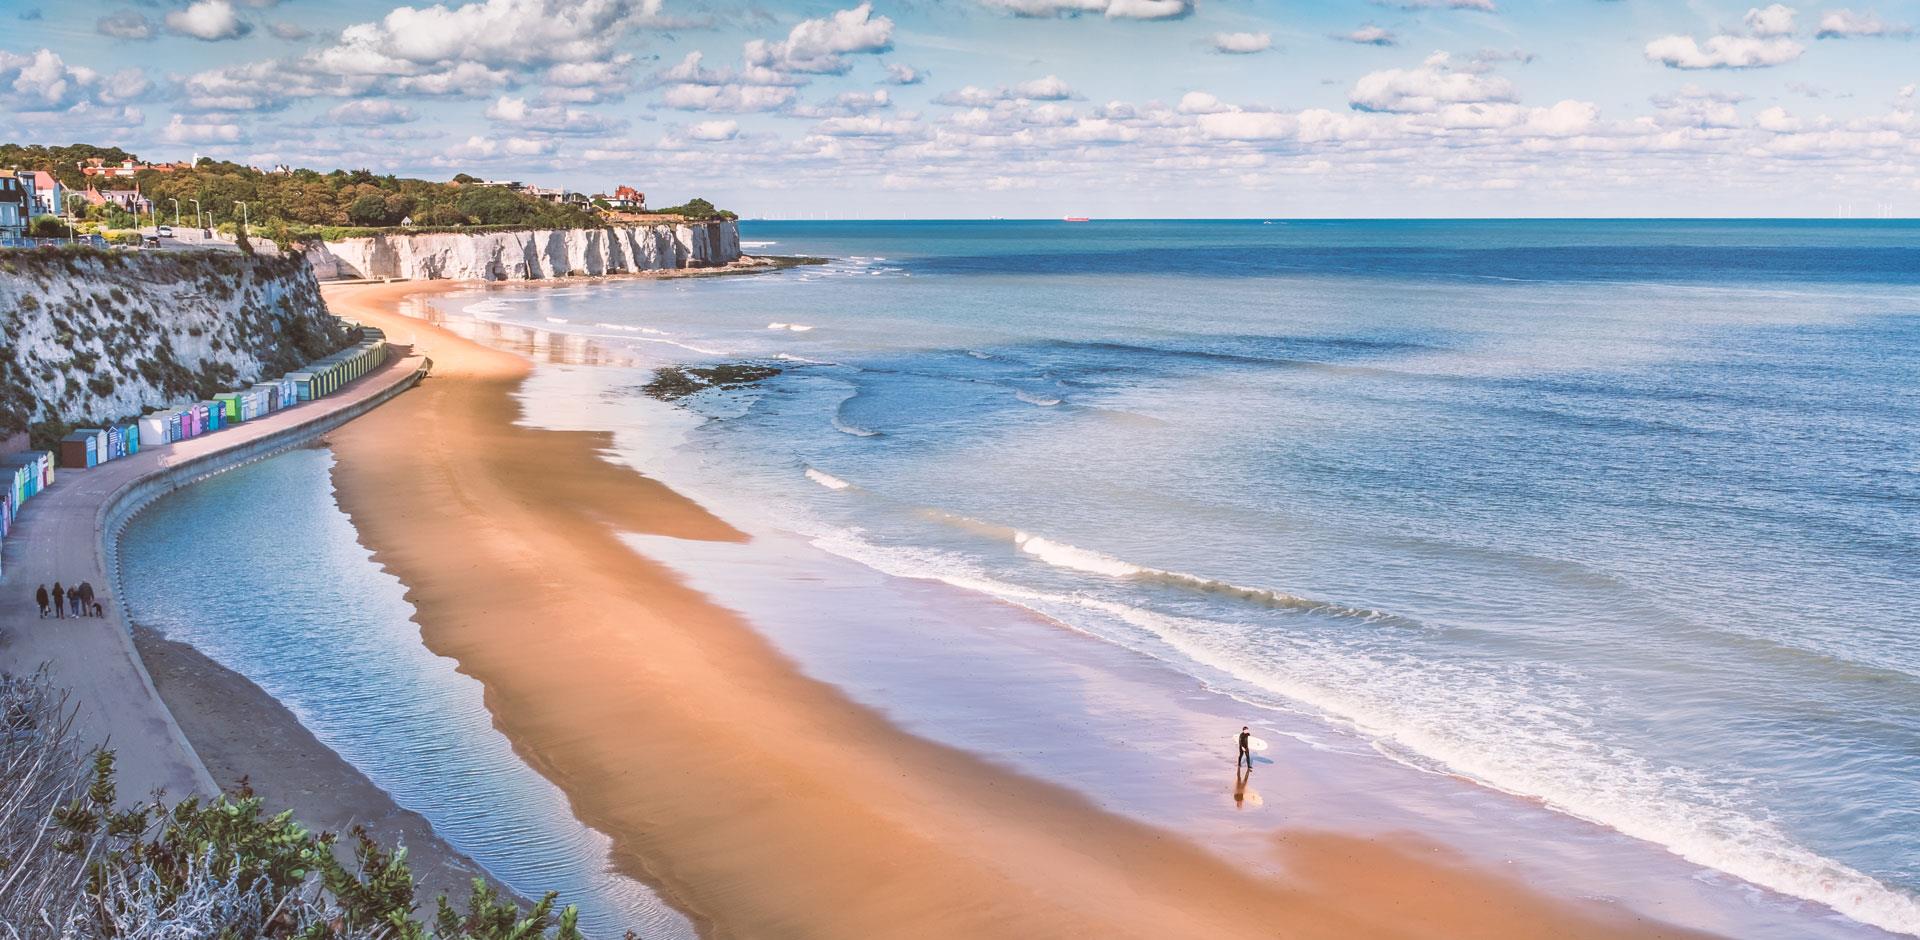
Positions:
{"x": 153, "y": 429}
{"x": 229, "y": 403}
{"x": 130, "y": 434}
{"x": 81, "y": 449}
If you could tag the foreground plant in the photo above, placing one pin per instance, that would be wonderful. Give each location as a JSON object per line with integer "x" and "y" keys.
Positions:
{"x": 74, "y": 867}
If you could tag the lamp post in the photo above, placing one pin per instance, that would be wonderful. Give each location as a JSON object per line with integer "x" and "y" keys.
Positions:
{"x": 69, "y": 207}
{"x": 199, "y": 219}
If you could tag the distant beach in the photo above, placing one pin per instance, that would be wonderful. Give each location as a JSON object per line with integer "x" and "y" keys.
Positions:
{"x": 713, "y": 764}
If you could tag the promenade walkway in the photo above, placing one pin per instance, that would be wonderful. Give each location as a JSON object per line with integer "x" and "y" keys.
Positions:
{"x": 67, "y": 534}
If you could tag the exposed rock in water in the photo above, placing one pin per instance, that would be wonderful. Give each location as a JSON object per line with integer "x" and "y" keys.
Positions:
{"x": 678, "y": 382}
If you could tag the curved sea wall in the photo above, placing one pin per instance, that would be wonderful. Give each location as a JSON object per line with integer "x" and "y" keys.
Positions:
{"x": 529, "y": 255}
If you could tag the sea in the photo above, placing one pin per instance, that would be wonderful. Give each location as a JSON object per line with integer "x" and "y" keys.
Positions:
{"x": 1616, "y": 521}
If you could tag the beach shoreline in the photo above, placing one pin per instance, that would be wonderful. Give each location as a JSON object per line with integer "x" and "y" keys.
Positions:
{"x": 713, "y": 763}
{"x": 245, "y": 736}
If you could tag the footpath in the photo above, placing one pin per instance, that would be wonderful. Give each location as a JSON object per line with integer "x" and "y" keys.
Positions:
{"x": 67, "y": 534}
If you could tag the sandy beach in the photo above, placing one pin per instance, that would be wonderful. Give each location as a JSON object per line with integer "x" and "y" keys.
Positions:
{"x": 761, "y": 802}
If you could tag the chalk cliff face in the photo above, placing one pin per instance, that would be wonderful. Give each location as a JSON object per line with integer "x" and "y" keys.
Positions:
{"x": 531, "y": 255}
{"x": 90, "y": 336}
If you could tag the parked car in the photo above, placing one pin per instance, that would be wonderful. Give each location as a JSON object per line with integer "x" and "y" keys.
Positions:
{"x": 164, "y": 231}
{"x": 152, "y": 242}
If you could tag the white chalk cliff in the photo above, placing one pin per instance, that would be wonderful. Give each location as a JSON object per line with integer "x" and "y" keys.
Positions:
{"x": 529, "y": 255}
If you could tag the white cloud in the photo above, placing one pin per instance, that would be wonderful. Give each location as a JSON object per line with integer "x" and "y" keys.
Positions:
{"x": 1049, "y": 88}
{"x": 867, "y": 126}
{"x": 1112, "y": 9}
{"x": 1200, "y": 102}
{"x": 1368, "y": 35}
{"x": 714, "y": 130}
{"x": 1249, "y": 125}
{"x": 291, "y": 32}
{"x": 180, "y": 131}
{"x": 1242, "y": 43}
{"x": 1775, "y": 20}
{"x": 1847, "y": 24}
{"x": 126, "y": 24}
{"x": 820, "y": 46}
{"x": 1778, "y": 121}
{"x": 1483, "y": 6}
{"x": 371, "y": 111}
{"x": 43, "y": 82}
{"x": 1433, "y": 84}
{"x": 492, "y": 33}
{"x": 208, "y": 20}
{"x": 732, "y": 98}
{"x": 848, "y": 104}
{"x": 900, "y": 74}
{"x": 1723, "y": 52}
{"x": 551, "y": 119}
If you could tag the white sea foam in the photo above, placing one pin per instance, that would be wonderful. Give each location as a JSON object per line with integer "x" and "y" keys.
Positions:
{"x": 977, "y": 354}
{"x": 827, "y": 480}
{"x": 793, "y": 327}
{"x": 556, "y": 319}
{"x": 1435, "y": 716}
{"x": 1032, "y": 399}
{"x": 853, "y": 429}
{"x": 486, "y": 309}
{"x": 745, "y": 244}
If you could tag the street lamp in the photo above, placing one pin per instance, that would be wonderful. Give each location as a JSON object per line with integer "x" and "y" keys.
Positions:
{"x": 69, "y": 207}
{"x": 199, "y": 219}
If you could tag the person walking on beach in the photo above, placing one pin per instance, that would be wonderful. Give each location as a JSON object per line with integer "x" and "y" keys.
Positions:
{"x": 86, "y": 598}
{"x": 73, "y": 600}
{"x": 1246, "y": 753}
{"x": 40, "y": 597}
{"x": 59, "y": 601}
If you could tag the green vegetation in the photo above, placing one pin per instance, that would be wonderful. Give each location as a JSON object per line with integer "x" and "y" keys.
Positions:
{"x": 697, "y": 210}
{"x": 75, "y": 863}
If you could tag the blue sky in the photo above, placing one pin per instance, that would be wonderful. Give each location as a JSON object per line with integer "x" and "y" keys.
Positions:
{"x": 963, "y": 108}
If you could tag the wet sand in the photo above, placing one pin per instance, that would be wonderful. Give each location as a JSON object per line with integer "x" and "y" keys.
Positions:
{"x": 244, "y": 735}
{"x": 764, "y": 803}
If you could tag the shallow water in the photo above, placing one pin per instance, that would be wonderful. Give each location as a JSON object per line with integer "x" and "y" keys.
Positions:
{"x": 1619, "y": 516}
{"x": 298, "y": 606}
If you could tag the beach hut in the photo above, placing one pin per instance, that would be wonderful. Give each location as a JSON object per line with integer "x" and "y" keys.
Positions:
{"x": 176, "y": 425}
{"x": 302, "y": 385}
{"x": 230, "y": 404}
{"x": 153, "y": 429}
{"x": 130, "y": 438}
{"x": 116, "y": 443}
{"x": 289, "y": 395}
{"x": 81, "y": 449}
{"x": 269, "y": 396}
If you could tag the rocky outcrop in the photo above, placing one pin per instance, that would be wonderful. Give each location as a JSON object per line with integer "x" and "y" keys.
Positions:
{"x": 529, "y": 255}
{"x": 88, "y": 336}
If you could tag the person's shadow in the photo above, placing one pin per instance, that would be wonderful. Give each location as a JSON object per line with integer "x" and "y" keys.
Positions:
{"x": 1244, "y": 795}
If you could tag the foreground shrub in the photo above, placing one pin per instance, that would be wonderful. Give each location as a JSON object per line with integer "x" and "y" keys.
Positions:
{"x": 75, "y": 867}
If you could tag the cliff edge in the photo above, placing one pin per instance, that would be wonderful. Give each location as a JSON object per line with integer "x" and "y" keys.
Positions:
{"x": 529, "y": 255}
{"x": 87, "y": 336}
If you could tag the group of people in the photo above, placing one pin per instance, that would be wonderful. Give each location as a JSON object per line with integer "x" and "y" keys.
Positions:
{"x": 78, "y": 600}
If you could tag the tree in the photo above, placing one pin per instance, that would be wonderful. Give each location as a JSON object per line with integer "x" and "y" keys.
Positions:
{"x": 240, "y": 240}
{"x": 464, "y": 178}
{"x": 47, "y": 226}
{"x": 369, "y": 209}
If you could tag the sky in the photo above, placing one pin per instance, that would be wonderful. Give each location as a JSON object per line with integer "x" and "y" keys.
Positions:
{"x": 1018, "y": 108}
